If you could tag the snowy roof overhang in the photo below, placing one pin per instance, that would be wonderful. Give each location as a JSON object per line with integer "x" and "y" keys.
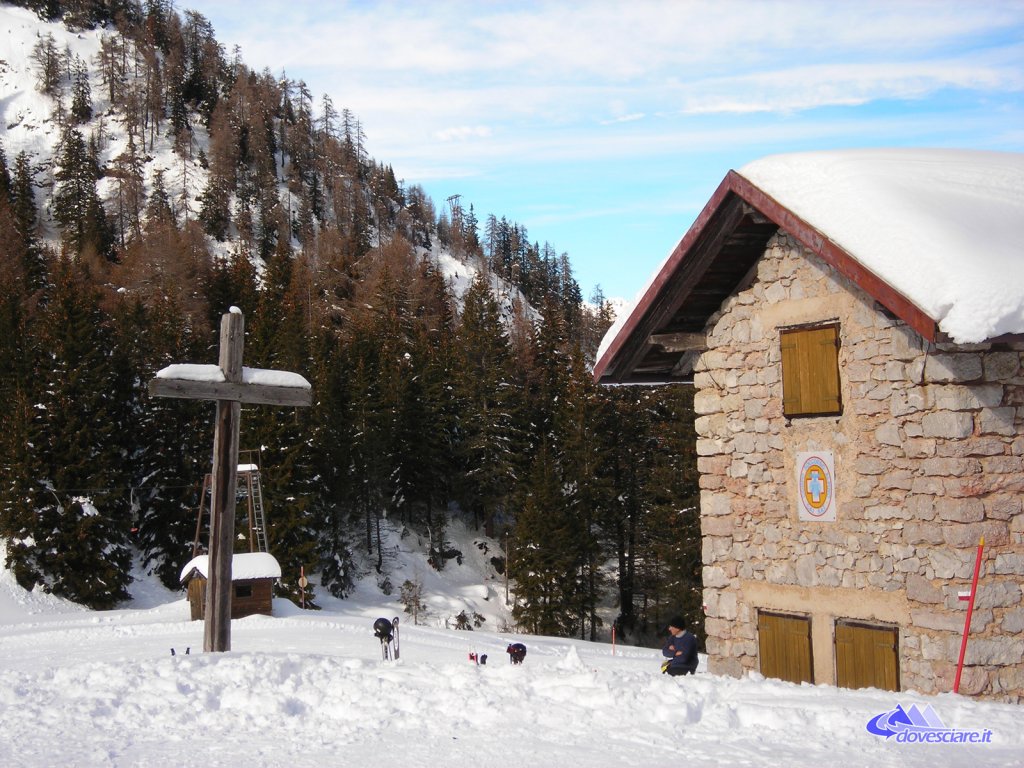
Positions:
{"x": 934, "y": 236}
{"x": 247, "y": 565}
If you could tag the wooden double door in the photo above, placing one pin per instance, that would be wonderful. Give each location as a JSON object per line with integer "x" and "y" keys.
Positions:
{"x": 866, "y": 656}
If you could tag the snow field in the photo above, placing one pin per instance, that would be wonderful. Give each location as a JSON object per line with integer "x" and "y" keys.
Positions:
{"x": 305, "y": 688}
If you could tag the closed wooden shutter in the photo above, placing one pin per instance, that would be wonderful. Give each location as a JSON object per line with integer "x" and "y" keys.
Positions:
{"x": 784, "y": 647}
{"x": 867, "y": 656}
{"x": 810, "y": 371}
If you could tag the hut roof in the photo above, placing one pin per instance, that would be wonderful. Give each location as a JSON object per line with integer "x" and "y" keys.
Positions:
{"x": 248, "y": 565}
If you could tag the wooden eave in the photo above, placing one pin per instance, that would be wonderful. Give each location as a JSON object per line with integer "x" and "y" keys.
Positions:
{"x": 706, "y": 267}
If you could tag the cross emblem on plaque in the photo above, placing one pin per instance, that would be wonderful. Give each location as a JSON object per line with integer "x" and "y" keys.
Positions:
{"x": 815, "y": 486}
{"x": 229, "y": 385}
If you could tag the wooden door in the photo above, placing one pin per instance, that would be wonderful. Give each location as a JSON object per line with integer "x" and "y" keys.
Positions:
{"x": 784, "y": 647}
{"x": 867, "y": 656}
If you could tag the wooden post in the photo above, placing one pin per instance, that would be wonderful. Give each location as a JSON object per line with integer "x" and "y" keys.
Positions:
{"x": 230, "y": 385}
{"x": 217, "y": 632}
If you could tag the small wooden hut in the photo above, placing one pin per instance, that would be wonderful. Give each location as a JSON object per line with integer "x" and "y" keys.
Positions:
{"x": 252, "y": 582}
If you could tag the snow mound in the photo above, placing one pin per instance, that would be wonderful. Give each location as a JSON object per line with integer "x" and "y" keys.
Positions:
{"x": 571, "y": 662}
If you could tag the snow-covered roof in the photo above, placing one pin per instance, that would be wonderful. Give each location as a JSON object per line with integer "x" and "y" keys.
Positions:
{"x": 944, "y": 227}
{"x": 246, "y": 565}
{"x": 934, "y": 235}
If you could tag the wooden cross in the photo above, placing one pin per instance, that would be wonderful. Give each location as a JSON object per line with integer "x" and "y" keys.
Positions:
{"x": 230, "y": 385}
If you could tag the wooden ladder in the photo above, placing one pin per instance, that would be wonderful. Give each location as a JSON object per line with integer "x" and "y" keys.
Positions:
{"x": 249, "y": 487}
{"x": 257, "y": 521}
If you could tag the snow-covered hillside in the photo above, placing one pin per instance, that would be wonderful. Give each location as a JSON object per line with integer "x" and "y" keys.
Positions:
{"x": 27, "y": 124}
{"x": 27, "y": 121}
{"x": 309, "y": 688}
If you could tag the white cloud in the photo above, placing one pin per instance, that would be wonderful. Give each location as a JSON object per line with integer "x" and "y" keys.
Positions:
{"x": 808, "y": 87}
{"x": 463, "y": 133}
{"x": 630, "y": 118}
{"x": 428, "y": 72}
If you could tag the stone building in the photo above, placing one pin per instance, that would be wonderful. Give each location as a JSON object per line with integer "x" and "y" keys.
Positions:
{"x": 853, "y": 324}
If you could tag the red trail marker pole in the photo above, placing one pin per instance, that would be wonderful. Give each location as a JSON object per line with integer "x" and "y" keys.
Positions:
{"x": 970, "y": 612}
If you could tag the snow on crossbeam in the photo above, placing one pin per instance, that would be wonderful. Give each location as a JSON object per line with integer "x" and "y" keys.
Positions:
{"x": 208, "y": 382}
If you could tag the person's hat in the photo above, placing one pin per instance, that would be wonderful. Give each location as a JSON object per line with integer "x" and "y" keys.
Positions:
{"x": 676, "y": 621}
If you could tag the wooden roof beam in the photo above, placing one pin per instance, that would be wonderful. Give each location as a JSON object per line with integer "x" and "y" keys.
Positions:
{"x": 679, "y": 342}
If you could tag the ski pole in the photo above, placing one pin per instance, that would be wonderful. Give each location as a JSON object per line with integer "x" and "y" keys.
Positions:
{"x": 970, "y": 612}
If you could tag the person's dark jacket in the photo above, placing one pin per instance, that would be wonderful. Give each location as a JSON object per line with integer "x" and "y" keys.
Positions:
{"x": 681, "y": 651}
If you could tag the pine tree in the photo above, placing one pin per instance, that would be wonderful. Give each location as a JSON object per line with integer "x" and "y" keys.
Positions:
{"x": 127, "y": 170}
{"x": 76, "y": 203}
{"x": 331, "y": 458}
{"x": 18, "y": 387}
{"x": 230, "y": 283}
{"x": 488, "y": 437}
{"x": 435, "y": 347}
{"x": 5, "y": 177}
{"x": 81, "y": 92}
{"x": 589, "y": 495}
{"x": 170, "y": 439}
{"x": 77, "y": 541}
{"x": 652, "y": 524}
{"x": 470, "y": 232}
{"x": 672, "y": 496}
{"x": 224, "y": 159}
{"x": 595, "y": 322}
{"x": 625, "y": 427}
{"x": 279, "y": 340}
{"x": 544, "y": 558}
{"x": 23, "y": 209}
{"x": 47, "y": 57}
{"x": 158, "y": 207}
{"x": 215, "y": 211}
{"x": 546, "y": 371}
{"x": 111, "y": 61}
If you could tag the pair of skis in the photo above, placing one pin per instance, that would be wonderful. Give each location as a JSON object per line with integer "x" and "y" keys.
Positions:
{"x": 389, "y": 644}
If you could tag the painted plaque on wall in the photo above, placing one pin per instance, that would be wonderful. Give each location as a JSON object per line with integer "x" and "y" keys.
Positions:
{"x": 816, "y": 489}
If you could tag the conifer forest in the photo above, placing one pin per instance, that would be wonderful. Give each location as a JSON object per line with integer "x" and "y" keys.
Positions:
{"x": 428, "y": 403}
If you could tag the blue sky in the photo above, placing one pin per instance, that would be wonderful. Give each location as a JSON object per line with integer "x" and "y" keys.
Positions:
{"x": 604, "y": 127}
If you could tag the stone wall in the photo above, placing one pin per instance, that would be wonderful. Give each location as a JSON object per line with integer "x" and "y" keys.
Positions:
{"x": 928, "y": 459}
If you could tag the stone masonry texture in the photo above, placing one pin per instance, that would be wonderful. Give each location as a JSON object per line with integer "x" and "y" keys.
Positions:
{"x": 929, "y": 457}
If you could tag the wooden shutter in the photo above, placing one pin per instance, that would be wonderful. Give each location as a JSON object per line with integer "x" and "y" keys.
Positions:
{"x": 784, "y": 647}
{"x": 810, "y": 371}
{"x": 867, "y": 656}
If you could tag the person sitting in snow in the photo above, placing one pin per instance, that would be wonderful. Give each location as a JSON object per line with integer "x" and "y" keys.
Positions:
{"x": 680, "y": 649}
{"x": 516, "y": 653}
